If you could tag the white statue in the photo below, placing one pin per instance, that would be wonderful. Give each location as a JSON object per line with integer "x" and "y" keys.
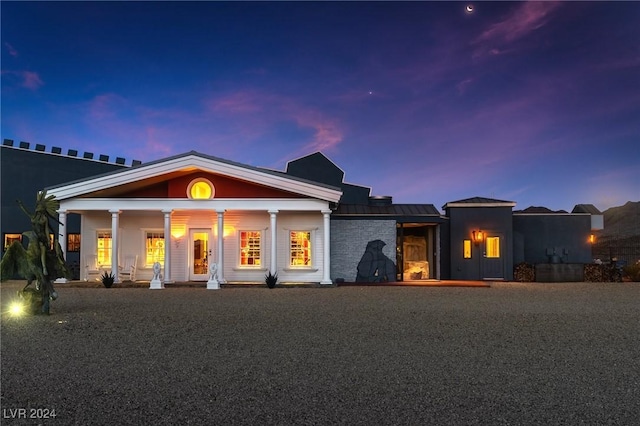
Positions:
{"x": 156, "y": 271}
{"x": 213, "y": 283}
{"x": 155, "y": 281}
{"x": 213, "y": 272}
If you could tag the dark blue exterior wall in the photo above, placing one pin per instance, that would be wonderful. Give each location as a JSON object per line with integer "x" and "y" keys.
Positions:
{"x": 542, "y": 235}
{"x": 492, "y": 221}
{"x": 24, "y": 172}
{"x": 445, "y": 250}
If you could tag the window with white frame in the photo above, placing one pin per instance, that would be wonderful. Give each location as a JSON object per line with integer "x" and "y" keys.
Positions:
{"x": 154, "y": 247}
{"x": 300, "y": 248}
{"x": 104, "y": 248}
{"x": 250, "y": 248}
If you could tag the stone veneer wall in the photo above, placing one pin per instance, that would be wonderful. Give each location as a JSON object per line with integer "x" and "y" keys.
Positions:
{"x": 349, "y": 240}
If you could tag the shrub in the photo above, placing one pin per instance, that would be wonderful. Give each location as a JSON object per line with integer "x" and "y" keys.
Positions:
{"x": 107, "y": 279}
{"x": 271, "y": 279}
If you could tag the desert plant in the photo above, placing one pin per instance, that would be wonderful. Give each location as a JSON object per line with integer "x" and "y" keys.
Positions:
{"x": 633, "y": 271}
{"x": 271, "y": 279}
{"x": 107, "y": 279}
{"x": 42, "y": 262}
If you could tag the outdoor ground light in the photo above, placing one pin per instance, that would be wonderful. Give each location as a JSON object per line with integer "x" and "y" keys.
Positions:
{"x": 477, "y": 236}
{"x": 16, "y": 309}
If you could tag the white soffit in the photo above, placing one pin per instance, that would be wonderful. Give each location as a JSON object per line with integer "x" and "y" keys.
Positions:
{"x": 192, "y": 162}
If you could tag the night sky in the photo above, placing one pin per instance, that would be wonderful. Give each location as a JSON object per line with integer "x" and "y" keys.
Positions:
{"x": 533, "y": 102}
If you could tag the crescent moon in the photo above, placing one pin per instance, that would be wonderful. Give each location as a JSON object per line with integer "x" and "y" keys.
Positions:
{"x": 469, "y": 8}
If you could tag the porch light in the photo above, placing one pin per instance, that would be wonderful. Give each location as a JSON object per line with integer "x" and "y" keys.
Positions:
{"x": 477, "y": 236}
{"x": 592, "y": 239}
{"x": 177, "y": 242}
{"x": 227, "y": 230}
{"x": 177, "y": 232}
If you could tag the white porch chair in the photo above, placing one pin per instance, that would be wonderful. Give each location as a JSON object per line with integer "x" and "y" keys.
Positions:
{"x": 92, "y": 270}
{"x": 128, "y": 268}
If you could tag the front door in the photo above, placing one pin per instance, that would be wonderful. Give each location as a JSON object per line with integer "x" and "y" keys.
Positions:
{"x": 493, "y": 257}
{"x": 199, "y": 254}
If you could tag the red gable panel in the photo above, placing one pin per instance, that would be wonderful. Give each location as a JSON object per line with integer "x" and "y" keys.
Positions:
{"x": 226, "y": 187}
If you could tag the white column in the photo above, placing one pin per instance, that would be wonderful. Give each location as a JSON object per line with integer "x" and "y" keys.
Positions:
{"x": 115, "y": 215}
{"x": 221, "y": 247}
{"x": 273, "y": 267}
{"x": 167, "y": 246}
{"x": 62, "y": 237}
{"x": 326, "y": 267}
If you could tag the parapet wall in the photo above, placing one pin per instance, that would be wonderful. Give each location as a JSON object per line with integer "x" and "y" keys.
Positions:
{"x": 71, "y": 153}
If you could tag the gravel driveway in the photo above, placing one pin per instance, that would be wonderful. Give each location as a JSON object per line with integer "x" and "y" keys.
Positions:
{"x": 511, "y": 354}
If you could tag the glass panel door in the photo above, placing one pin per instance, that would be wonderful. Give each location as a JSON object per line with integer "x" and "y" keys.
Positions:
{"x": 200, "y": 253}
{"x": 493, "y": 261}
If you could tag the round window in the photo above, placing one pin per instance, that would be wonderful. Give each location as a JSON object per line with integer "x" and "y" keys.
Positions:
{"x": 200, "y": 189}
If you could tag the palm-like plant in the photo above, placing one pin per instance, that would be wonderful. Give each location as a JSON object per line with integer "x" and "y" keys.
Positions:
{"x": 40, "y": 262}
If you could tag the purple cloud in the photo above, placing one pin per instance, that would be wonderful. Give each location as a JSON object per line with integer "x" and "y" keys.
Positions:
{"x": 27, "y": 79}
{"x": 31, "y": 80}
{"x": 526, "y": 18}
{"x": 10, "y": 48}
{"x": 260, "y": 110}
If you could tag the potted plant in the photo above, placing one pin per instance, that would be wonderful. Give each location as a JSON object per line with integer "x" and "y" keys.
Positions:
{"x": 271, "y": 279}
{"x": 107, "y": 279}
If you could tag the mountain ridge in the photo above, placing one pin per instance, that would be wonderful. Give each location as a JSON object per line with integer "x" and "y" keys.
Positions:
{"x": 621, "y": 222}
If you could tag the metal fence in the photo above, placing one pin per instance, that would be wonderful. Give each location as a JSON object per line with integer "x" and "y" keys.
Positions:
{"x": 628, "y": 253}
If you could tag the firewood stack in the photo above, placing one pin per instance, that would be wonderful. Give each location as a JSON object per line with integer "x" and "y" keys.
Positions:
{"x": 524, "y": 272}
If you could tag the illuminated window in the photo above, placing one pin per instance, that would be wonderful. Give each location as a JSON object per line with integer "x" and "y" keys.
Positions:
{"x": 493, "y": 247}
{"x": 154, "y": 247}
{"x": 300, "y": 248}
{"x": 10, "y": 239}
{"x": 467, "y": 249}
{"x": 104, "y": 248}
{"x": 200, "y": 189}
{"x": 73, "y": 243}
{"x": 250, "y": 244}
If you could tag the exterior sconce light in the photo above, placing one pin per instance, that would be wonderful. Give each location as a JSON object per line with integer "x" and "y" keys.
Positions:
{"x": 177, "y": 242}
{"x": 477, "y": 236}
{"x": 592, "y": 239}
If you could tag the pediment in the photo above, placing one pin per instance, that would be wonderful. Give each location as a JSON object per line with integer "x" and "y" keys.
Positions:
{"x": 175, "y": 185}
{"x": 169, "y": 178}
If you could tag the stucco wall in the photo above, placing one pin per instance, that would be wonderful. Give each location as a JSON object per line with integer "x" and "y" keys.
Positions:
{"x": 543, "y": 234}
{"x": 349, "y": 240}
{"x": 493, "y": 221}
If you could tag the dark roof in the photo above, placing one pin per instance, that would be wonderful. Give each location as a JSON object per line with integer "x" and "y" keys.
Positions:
{"x": 316, "y": 167}
{"x": 472, "y": 202}
{"x": 399, "y": 212}
{"x": 479, "y": 200}
{"x": 586, "y": 208}
{"x": 538, "y": 210}
{"x": 209, "y": 157}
